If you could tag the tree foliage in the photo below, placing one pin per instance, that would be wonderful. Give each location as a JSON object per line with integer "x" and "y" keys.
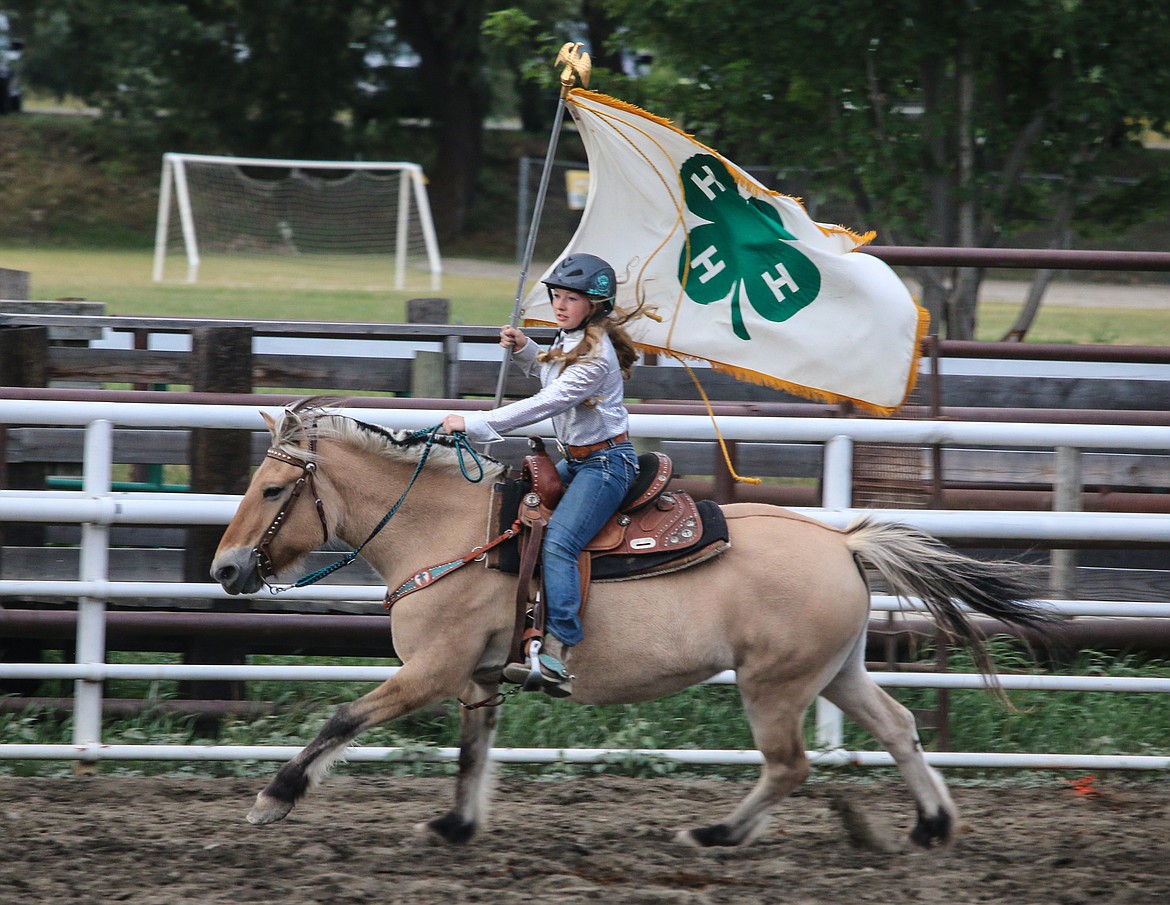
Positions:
{"x": 280, "y": 78}
{"x": 958, "y": 123}
{"x": 955, "y": 123}
{"x": 255, "y": 78}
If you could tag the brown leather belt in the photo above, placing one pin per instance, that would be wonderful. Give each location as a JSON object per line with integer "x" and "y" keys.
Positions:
{"x": 579, "y": 452}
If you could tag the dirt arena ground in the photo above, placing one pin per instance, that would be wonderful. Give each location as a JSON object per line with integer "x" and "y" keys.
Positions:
{"x": 175, "y": 840}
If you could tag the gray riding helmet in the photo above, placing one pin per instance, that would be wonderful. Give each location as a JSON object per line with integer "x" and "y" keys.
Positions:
{"x": 589, "y": 275}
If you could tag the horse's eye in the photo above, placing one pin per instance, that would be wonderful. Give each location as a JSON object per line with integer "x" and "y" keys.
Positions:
{"x": 273, "y": 493}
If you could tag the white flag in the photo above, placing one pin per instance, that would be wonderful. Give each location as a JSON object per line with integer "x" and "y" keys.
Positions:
{"x": 724, "y": 270}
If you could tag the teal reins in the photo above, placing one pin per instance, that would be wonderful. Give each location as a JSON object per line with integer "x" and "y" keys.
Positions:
{"x": 462, "y": 448}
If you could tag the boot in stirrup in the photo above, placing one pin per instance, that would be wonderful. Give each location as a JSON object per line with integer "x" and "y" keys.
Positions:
{"x": 554, "y": 677}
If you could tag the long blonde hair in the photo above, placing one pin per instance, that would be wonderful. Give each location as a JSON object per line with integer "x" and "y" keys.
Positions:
{"x": 599, "y": 323}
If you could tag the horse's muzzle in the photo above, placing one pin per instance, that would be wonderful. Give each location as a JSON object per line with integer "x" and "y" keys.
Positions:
{"x": 236, "y": 572}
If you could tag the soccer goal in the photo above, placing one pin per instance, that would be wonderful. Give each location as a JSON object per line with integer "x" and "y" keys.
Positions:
{"x": 295, "y": 223}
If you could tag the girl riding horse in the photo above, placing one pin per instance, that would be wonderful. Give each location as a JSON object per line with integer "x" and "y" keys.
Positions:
{"x": 583, "y": 390}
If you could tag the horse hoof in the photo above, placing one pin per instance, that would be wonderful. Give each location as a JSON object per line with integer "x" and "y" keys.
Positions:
{"x": 707, "y": 836}
{"x": 933, "y": 832}
{"x": 268, "y": 810}
{"x": 450, "y": 828}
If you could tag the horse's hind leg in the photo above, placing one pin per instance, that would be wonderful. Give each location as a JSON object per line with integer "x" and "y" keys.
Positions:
{"x": 777, "y": 727}
{"x": 863, "y": 701}
{"x": 477, "y": 728}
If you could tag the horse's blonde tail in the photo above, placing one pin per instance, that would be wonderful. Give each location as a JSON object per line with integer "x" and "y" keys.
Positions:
{"x": 914, "y": 564}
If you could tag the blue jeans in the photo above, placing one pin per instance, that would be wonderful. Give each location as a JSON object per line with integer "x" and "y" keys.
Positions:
{"x": 594, "y": 488}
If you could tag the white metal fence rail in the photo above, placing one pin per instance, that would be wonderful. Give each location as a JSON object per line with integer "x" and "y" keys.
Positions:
{"x": 96, "y": 507}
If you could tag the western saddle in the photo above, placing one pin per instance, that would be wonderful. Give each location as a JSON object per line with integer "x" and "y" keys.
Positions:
{"x": 654, "y": 531}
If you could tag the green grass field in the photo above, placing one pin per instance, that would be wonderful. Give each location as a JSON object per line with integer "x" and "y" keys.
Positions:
{"x": 290, "y": 289}
{"x": 282, "y": 291}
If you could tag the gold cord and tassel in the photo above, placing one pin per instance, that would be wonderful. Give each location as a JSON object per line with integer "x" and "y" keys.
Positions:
{"x": 711, "y": 412}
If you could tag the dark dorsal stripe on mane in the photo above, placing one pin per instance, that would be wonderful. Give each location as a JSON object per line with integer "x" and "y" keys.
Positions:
{"x": 318, "y": 415}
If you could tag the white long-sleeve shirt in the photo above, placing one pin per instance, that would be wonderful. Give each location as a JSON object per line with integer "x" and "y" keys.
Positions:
{"x": 564, "y": 391}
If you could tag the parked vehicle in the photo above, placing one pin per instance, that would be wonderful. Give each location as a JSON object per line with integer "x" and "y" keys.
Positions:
{"x": 11, "y": 89}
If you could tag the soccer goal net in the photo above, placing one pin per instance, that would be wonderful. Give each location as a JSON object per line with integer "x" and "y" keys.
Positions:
{"x": 295, "y": 223}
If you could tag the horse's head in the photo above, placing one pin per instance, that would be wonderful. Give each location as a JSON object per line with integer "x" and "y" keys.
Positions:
{"x": 282, "y": 516}
{"x": 325, "y": 471}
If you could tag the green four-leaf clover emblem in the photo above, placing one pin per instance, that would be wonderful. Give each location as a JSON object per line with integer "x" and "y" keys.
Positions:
{"x": 742, "y": 251}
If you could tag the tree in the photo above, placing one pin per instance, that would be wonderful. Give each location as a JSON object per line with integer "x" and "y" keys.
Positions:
{"x": 279, "y": 78}
{"x": 251, "y": 78}
{"x": 447, "y": 38}
{"x": 281, "y": 73}
{"x": 285, "y": 78}
{"x": 959, "y": 123}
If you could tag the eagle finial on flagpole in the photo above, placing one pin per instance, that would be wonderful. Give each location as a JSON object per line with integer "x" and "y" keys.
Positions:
{"x": 577, "y": 66}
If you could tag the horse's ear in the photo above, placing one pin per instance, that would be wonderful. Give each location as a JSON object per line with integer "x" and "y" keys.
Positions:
{"x": 270, "y": 421}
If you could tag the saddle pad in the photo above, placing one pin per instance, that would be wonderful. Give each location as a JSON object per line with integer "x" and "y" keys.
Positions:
{"x": 506, "y": 497}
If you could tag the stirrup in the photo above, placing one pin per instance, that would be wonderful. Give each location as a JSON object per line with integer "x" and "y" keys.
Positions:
{"x": 540, "y": 673}
{"x": 527, "y": 674}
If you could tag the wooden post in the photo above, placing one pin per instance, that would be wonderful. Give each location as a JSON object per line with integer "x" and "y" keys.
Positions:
{"x": 24, "y": 362}
{"x": 433, "y": 374}
{"x": 1067, "y": 496}
{"x": 428, "y": 375}
{"x": 24, "y": 357}
{"x": 14, "y": 284}
{"x": 220, "y": 462}
{"x": 143, "y": 472}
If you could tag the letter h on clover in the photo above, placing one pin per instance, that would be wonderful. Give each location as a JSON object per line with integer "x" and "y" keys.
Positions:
{"x": 741, "y": 250}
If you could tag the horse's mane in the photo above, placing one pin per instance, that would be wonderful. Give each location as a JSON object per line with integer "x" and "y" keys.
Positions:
{"x": 318, "y": 415}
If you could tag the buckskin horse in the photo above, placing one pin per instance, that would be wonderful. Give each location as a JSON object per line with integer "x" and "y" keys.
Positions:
{"x": 786, "y": 607}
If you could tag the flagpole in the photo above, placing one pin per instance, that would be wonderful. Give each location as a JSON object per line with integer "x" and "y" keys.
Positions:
{"x": 577, "y": 66}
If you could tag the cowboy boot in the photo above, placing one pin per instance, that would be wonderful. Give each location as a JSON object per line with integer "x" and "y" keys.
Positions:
{"x": 554, "y": 668}
{"x": 554, "y": 674}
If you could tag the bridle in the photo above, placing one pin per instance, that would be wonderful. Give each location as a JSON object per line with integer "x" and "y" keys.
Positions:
{"x": 308, "y": 470}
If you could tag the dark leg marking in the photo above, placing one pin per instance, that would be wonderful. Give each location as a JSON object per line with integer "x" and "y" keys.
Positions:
{"x": 289, "y": 784}
{"x": 457, "y": 826}
{"x": 930, "y": 830}
{"x": 292, "y": 780}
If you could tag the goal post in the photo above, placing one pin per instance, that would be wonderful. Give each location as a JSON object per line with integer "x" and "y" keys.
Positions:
{"x": 349, "y": 222}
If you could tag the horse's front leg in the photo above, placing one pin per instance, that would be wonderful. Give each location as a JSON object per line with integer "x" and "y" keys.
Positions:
{"x": 409, "y": 690}
{"x": 477, "y": 729}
